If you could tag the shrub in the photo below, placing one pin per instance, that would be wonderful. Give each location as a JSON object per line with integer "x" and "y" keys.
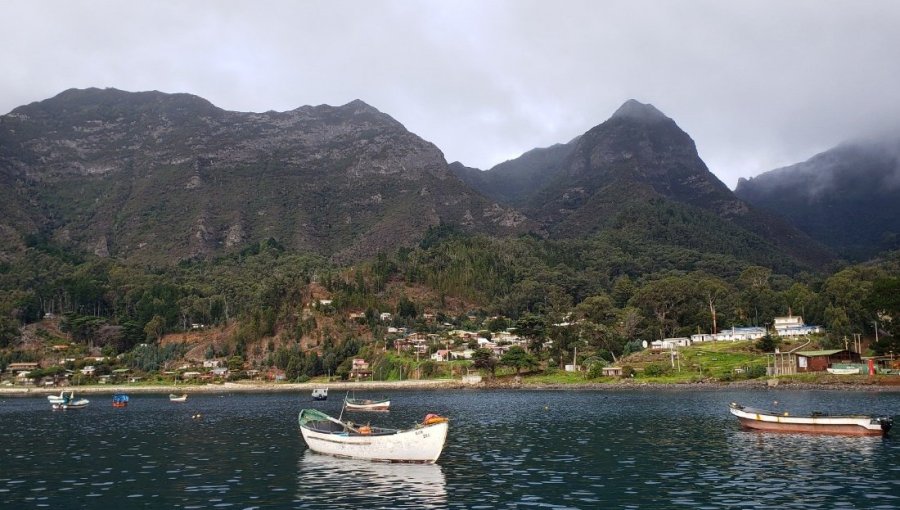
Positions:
{"x": 596, "y": 370}
{"x": 657, "y": 369}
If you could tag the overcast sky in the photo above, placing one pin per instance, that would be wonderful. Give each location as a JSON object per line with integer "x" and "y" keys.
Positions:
{"x": 757, "y": 84}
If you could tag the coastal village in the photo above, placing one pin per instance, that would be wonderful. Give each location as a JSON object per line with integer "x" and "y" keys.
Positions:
{"x": 449, "y": 352}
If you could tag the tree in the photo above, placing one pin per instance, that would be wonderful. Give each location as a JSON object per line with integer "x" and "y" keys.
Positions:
{"x": 713, "y": 289}
{"x": 9, "y": 331}
{"x": 665, "y": 299}
{"x": 483, "y": 359}
{"x": 517, "y": 358}
{"x": 154, "y": 328}
{"x": 884, "y": 302}
{"x": 406, "y": 309}
{"x": 623, "y": 289}
{"x": 534, "y": 328}
{"x": 768, "y": 343}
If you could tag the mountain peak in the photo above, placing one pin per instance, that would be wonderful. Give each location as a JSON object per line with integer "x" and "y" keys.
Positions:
{"x": 635, "y": 110}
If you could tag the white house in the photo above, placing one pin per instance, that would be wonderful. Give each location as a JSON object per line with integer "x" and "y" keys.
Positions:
{"x": 441, "y": 355}
{"x": 463, "y": 354}
{"x": 793, "y": 325}
{"x": 88, "y": 370}
{"x": 731, "y": 335}
{"x": 385, "y": 316}
{"x": 670, "y": 343}
{"x": 212, "y": 363}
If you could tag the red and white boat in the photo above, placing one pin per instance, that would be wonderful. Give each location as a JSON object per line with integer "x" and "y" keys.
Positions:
{"x": 816, "y": 423}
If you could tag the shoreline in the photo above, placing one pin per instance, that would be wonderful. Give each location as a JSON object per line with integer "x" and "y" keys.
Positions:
{"x": 437, "y": 384}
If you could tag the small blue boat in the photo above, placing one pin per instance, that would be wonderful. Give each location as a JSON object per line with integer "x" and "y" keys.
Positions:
{"x": 120, "y": 400}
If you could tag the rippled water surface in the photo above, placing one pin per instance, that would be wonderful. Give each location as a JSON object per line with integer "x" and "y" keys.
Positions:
{"x": 506, "y": 449}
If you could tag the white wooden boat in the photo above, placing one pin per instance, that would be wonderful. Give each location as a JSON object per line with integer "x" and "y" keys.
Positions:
{"x": 320, "y": 394}
{"x": 816, "y": 423}
{"x": 178, "y": 398}
{"x": 421, "y": 444}
{"x": 363, "y": 404}
{"x": 843, "y": 371}
{"x": 57, "y": 399}
{"x": 69, "y": 402}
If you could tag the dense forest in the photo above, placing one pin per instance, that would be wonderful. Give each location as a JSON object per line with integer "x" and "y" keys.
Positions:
{"x": 618, "y": 289}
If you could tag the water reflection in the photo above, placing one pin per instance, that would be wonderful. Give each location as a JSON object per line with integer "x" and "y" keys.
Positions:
{"x": 765, "y": 468}
{"x": 348, "y": 483}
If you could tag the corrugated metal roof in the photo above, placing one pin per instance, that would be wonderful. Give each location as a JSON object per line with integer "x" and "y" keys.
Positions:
{"x": 818, "y": 353}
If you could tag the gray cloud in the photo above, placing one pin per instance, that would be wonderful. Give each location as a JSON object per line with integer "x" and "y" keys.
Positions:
{"x": 757, "y": 84}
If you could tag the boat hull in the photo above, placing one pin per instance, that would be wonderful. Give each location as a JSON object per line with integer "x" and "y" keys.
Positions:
{"x": 176, "y": 398}
{"x": 374, "y": 406}
{"x": 78, "y": 404}
{"x": 419, "y": 445}
{"x": 837, "y": 425}
{"x": 842, "y": 371}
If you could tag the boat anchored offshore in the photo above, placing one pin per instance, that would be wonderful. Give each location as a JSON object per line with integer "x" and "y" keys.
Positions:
{"x": 815, "y": 423}
{"x": 120, "y": 400}
{"x": 320, "y": 394}
{"x": 363, "y": 404}
{"x": 421, "y": 444}
{"x": 69, "y": 402}
{"x": 177, "y": 398}
{"x": 56, "y": 399}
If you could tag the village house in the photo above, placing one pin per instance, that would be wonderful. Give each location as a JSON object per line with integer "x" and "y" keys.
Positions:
{"x": 212, "y": 363}
{"x": 89, "y": 370}
{"x": 612, "y": 371}
{"x": 385, "y": 316}
{"x": 360, "y": 368}
{"x": 441, "y": 355}
{"x": 819, "y": 361}
{"x": 219, "y": 372}
{"x": 793, "y": 325}
{"x": 463, "y": 354}
{"x": 15, "y": 368}
{"x": 670, "y": 343}
{"x": 733, "y": 334}
{"x": 507, "y": 337}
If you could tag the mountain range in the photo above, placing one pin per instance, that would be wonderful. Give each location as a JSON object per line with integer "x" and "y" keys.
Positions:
{"x": 154, "y": 177}
{"x": 640, "y": 172}
{"x": 848, "y": 197}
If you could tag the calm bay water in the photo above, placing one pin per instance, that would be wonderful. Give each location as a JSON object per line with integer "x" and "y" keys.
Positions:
{"x": 506, "y": 449}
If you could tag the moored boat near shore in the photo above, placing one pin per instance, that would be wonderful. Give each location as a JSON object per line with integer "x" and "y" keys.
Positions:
{"x": 120, "y": 400}
{"x": 842, "y": 371}
{"x": 320, "y": 394}
{"x": 816, "y": 423}
{"x": 421, "y": 444}
{"x": 178, "y": 398}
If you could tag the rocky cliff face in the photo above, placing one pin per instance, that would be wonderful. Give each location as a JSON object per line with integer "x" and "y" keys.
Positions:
{"x": 169, "y": 176}
{"x": 847, "y": 198}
